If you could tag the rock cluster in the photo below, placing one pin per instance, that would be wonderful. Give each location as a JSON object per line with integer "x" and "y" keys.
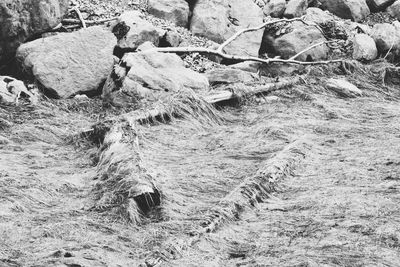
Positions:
{"x": 68, "y": 64}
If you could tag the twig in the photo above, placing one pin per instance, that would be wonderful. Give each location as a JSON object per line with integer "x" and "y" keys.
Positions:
{"x": 78, "y": 12}
{"x": 89, "y": 22}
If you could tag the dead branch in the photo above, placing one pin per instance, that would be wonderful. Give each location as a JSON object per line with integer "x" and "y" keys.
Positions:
{"x": 219, "y": 51}
{"x": 88, "y": 22}
{"x": 78, "y": 12}
{"x": 252, "y": 29}
{"x": 259, "y": 187}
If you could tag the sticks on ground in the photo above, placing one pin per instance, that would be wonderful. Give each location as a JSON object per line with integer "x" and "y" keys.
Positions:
{"x": 258, "y": 188}
{"x": 220, "y": 50}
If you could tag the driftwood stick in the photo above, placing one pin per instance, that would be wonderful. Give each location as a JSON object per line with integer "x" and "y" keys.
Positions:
{"x": 88, "y": 22}
{"x": 202, "y": 50}
{"x": 78, "y": 12}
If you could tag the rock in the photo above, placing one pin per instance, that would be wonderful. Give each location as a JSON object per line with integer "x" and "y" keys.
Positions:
{"x": 295, "y": 8}
{"x": 12, "y": 89}
{"x": 386, "y": 37}
{"x": 301, "y": 37}
{"x": 23, "y": 19}
{"x": 248, "y": 66}
{"x": 132, "y": 30}
{"x": 379, "y": 5}
{"x": 175, "y": 11}
{"x": 394, "y": 10}
{"x": 218, "y": 20}
{"x": 274, "y": 8}
{"x": 70, "y": 63}
{"x": 364, "y": 47}
{"x": 4, "y": 140}
{"x": 152, "y": 75}
{"x": 343, "y": 88}
{"x": 229, "y": 75}
{"x": 355, "y": 10}
{"x": 319, "y": 16}
{"x": 170, "y": 39}
{"x": 145, "y": 46}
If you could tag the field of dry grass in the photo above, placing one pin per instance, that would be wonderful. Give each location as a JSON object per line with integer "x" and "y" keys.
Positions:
{"x": 301, "y": 178}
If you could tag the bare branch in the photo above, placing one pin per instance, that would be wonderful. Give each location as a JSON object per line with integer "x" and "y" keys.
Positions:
{"x": 252, "y": 29}
{"x": 78, "y": 12}
{"x": 239, "y": 58}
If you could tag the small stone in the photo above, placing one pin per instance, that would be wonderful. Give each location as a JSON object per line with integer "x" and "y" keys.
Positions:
{"x": 364, "y": 47}
{"x": 343, "y": 88}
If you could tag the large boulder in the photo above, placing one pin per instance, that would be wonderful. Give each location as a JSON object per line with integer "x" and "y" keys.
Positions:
{"x": 218, "y": 20}
{"x": 299, "y": 38}
{"x": 151, "y": 75}
{"x": 23, "y": 19}
{"x": 132, "y": 30}
{"x": 355, "y": 10}
{"x": 274, "y": 8}
{"x": 175, "y": 11}
{"x": 364, "y": 47}
{"x": 70, "y": 63}
{"x": 295, "y": 8}
{"x": 319, "y": 16}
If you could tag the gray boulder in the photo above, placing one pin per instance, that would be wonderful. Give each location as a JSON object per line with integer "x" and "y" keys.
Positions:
{"x": 301, "y": 37}
{"x": 274, "y": 8}
{"x": 151, "y": 75}
{"x": 175, "y": 11}
{"x": 343, "y": 88}
{"x": 70, "y": 63}
{"x": 23, "y": 19}
{"x": 319, "y": 16}
{"x": 132, "y": 30}
{"x": 355, "y": 10}
{"x": 218, "y": 20}
{"x": 295, "y": 8}
{"x": 364, "y": 47}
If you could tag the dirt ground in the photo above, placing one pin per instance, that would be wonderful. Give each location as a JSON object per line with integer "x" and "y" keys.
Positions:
{"x": 339, "y": 207}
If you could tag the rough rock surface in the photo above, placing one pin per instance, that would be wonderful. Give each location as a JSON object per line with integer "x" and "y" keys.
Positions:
{"x": 219, "y": 20}
{"x": 150, "y": 75}
{"x": 274, "y": 8}
{"x": 343, "y": 88}
{"x": 355, "y": 10}
{"x": 301, "y": 37}
{"x": 394, "y": 9}
{"x": 295, "y": 8}
{"x": 229, "y": 75}
{"x": 70, "y": 63}
{"x": 22, "y": 19}
{"x": 364, "y": 47}
{"x": 319, "y": 16}
{"x": 175, "y": 11}
{"x": 132, "y": 30}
